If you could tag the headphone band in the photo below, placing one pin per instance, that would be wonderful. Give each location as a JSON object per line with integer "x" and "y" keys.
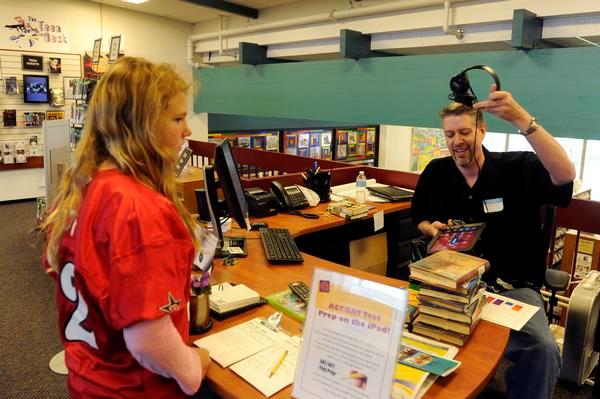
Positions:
{"x": 488, "y": 69}
{"x": 462, "y": 92}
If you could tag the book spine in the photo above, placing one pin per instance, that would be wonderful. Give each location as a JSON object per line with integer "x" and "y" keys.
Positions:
{"x": 353, "y": 209}
{"x": 440, "y": 335}
{"x": 473, "y": 273}
{"x": 433, "y": 279}
{"x": 347, "y": 216}
{"x": 445, "y": 324}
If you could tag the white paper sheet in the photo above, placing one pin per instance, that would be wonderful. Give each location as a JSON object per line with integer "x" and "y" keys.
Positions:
{"x": 239, "y": 342}
{"x": 507, "y": 312}
{"x": 256, "y": 369}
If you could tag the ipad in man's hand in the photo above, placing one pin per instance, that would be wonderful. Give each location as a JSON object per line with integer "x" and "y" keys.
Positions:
{"x": 461, "y": 239}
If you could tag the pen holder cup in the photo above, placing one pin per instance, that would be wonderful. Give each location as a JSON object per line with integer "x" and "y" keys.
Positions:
{"x": 320, "y": 183}
{"x": 199, "y": 314}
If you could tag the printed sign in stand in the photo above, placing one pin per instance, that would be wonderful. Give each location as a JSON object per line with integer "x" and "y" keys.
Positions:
{"x": 351, "y": 338}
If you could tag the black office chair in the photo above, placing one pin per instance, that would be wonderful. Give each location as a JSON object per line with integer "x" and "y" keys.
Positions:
{"x": 554, "y": 280}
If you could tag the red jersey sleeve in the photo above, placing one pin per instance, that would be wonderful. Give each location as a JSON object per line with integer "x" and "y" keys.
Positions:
{"x": 150, "y": 257}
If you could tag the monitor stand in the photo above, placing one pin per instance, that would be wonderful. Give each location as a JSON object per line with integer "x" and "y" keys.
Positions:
{"x": 238, "y": 245}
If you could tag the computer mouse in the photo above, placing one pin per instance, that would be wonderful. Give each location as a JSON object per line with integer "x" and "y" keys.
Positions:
{"x": 258, "y": 225}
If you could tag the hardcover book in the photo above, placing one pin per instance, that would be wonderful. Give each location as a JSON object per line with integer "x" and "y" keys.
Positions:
{"x": 288, "y": 303}
{"x": 464, "y": 293}
{"x": 347, "y": 207}
{"x": 445, "y": 324}
{"x": 448, "y": 268}
{"x": 440, "y": 335}
{"x": 469, "y": 315}
{"x": 346, "y": 216}
{"x": 450, "y": 304}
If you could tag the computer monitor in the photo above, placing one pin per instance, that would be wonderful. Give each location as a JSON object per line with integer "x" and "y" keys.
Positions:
{"x": 229, "y": 180}
{"x": 235, "y": 200}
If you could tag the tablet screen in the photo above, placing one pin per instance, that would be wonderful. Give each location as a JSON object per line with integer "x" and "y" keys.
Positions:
{"x": 461, "y": 239}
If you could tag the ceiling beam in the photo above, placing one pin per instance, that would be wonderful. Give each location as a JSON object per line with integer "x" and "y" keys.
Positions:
{"x": 228, "y": 7}
{"x": 254, "y": 54}
{"x": 357, "y": 45}
{"x": 526, "y": 29}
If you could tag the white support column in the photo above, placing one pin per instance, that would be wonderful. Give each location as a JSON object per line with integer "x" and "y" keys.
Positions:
{"x": 198, "y": 122}
{"x": 394, "y": 147}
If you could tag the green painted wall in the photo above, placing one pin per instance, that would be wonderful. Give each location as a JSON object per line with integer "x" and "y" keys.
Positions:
{"x": 561, "y": 87}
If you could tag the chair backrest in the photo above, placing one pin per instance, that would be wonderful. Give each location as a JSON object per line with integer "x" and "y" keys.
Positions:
{"x": 581, "y": 215}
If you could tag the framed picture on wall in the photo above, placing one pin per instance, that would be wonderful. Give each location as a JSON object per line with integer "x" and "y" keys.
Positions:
{"x": 54, "y": 65}
{"x": 32, "y": 62}
{"x": 96, "y": 52}
{"x": 115, "y": 46}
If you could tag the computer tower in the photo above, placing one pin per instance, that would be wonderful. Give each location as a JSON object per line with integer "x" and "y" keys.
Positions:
{"x": 580, "y": 350}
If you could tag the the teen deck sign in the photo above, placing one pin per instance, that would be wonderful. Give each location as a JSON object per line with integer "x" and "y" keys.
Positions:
{"x": 43, "y": 31}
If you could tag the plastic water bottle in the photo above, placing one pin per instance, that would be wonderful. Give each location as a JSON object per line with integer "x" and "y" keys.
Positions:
{"x": 361, "y": 187}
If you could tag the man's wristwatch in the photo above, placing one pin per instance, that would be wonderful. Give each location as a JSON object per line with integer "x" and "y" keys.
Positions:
{"x": 533, "y": 126}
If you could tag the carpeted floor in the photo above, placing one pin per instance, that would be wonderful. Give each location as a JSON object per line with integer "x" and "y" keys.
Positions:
{"x": 29, "y": 335}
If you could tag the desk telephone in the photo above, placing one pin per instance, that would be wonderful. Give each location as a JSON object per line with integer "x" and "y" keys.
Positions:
{"x": 289, "y": 197}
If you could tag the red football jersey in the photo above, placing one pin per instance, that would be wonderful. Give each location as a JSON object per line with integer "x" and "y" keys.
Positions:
{"x": 127, "y": 258}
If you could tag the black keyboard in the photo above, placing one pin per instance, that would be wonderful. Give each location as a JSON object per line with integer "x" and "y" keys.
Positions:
{"x": 280, "y": 246}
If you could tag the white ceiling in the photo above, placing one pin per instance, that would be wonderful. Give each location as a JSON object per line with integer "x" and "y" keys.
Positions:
{"x": 180, "y": 10}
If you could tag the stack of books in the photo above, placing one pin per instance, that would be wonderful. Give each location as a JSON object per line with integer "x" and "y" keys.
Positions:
{"x": 348, "y": 210}
{"x": 451, "y": 296}
{"x": 226, "y": 297}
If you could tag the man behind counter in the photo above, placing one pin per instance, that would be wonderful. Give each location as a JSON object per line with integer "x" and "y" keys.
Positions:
{"x": 506, "y": 191}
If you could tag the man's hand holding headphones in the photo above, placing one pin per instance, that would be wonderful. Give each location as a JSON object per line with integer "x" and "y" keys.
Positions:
{"x": 503, "y": 105}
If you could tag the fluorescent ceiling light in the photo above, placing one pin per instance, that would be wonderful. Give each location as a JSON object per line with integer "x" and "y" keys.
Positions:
{"x": 135, "y": 1}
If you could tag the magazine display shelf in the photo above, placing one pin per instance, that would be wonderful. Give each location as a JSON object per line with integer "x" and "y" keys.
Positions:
{"x": 26, "y": 179}
{"x": 32, "y": 163}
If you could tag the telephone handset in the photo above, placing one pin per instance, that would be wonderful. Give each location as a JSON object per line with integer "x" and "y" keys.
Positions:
{"x": 290, "y": 197}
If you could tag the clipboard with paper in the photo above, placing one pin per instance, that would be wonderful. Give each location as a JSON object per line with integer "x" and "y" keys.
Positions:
{"x": 252, "y": 350}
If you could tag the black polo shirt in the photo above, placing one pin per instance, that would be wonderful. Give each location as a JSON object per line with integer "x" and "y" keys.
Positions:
{"x": 507, "y": 196}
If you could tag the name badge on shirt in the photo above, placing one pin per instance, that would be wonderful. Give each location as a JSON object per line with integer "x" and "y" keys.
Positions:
{"x": 493, "y": 205}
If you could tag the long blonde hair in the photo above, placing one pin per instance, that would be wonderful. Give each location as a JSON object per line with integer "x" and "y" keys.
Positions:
{"x": 120, "y": 127}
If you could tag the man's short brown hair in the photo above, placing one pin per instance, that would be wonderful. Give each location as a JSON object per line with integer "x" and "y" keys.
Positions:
{"x": 455, "y": 109}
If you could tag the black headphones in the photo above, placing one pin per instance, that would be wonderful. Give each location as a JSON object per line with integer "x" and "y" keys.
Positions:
{"x": 461, "y": 88}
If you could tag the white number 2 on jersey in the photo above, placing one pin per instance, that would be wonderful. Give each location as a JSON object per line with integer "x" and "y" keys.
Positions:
{"x": 74, "y": 331}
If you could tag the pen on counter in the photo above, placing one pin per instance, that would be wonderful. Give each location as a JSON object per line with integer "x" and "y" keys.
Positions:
{"x": 281, "y": 359}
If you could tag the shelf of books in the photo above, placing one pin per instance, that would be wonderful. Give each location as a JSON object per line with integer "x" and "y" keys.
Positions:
{"x": 267, "y": 140}
{"x": 314, "y": 143}
{"x": 357, "y": 145}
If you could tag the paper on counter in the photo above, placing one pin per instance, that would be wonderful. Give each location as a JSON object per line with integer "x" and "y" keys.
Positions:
{"x": 256, "y": 369}
{"x": 239, "y": 342}
{"x": 348, "y": 191}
